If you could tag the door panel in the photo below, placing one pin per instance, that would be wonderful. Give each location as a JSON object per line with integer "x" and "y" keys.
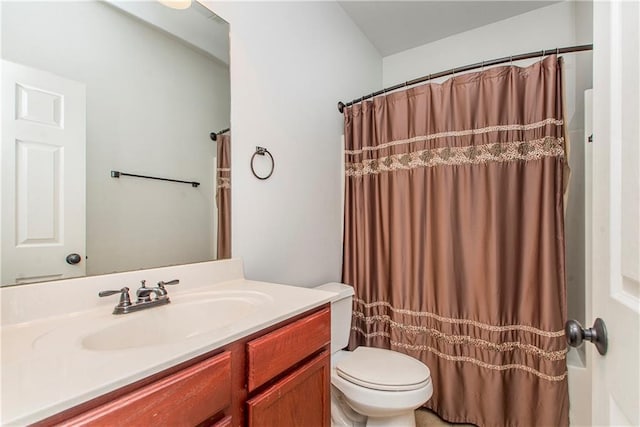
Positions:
{"x": 43, "y": 172}
{"x": 38, "y": 106}
{"x": 38, "y": 194}
{"x": 616, "y": 210}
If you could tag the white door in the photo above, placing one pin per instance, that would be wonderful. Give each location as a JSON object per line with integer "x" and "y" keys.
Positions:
{"x": 43, "y": 175}
{"x": 615, "y": 228}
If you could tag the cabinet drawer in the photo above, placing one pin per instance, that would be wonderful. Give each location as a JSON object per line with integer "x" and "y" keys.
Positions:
{"x": 274, "y": 353}
{"x": 183, "y": 399}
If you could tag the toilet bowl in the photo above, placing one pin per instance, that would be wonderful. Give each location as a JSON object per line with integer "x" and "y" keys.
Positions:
{"x": 371, "y": 386}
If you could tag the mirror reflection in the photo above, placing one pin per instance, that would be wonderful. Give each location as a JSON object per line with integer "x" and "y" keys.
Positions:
{"x": 94, "y": 87}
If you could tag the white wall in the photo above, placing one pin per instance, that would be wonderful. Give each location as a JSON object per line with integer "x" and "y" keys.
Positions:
{"x": 291, "y": 62}
{"x": 132, "y": 223}
{"x": 545, "y": 28}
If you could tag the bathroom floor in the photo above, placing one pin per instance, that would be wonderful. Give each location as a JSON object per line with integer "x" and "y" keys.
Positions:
{"x": 426, "y": 418}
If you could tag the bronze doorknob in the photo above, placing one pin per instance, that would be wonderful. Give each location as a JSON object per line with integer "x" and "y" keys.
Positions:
{"x": 73, "y": 259}
{"x": 576, "y": 334}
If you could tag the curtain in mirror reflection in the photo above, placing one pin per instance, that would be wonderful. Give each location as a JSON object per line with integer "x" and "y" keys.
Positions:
{"x": 223, "y": 195}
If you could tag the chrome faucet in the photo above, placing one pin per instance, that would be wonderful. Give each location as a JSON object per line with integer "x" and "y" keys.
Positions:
{"x": 143, "y": 294}
{"x": 143, "y": 297}
{"x": 161, "y": 285}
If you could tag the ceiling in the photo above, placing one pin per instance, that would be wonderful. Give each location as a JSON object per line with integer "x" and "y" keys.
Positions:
{"x": 197, "y": 26}
{"x": 395, "y": 26}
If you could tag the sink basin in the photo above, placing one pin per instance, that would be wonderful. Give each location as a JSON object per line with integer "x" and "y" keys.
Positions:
{"x": 186, "y": 317}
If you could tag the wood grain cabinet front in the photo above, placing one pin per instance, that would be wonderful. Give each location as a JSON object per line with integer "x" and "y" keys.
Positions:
{"x": 187, "y": 398}
{"x": 299, "y": 399}
{"x": 275, "y": 352}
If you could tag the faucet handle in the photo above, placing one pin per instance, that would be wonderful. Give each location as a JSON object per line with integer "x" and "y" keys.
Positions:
{"x": 162, "y": 283}
{"x": 125, "y": 300}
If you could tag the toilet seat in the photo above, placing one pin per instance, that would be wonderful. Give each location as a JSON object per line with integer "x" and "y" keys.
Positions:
{"x": 385, "y": 370}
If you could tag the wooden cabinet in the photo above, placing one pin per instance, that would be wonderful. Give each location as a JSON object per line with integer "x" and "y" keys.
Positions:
{"x": 186, "y": 398}
{"x": 225, "y": 422}
{"x": 274, "y": 353}
{"x": 276, "y": 377}
{"x": 299, "y": 399}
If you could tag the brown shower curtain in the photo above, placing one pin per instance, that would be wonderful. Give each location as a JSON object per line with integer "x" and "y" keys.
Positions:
{"x": 223, "y": 195}
{"x": 454, "y": 239}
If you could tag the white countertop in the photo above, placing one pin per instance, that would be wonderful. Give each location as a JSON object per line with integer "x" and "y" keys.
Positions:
{"x": 46, "y": 369}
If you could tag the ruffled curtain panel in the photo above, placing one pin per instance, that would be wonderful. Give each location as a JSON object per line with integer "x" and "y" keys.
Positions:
{"x": 454, "y": 239}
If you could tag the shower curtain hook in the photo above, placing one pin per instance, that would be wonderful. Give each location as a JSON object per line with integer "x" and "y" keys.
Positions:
{"x": 511, "y": 60}
{"x": 557, "y": 51}
{"x": 482, "y": 69}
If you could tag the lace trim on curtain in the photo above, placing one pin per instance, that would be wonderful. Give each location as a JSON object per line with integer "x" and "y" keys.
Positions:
{"x": 482, "y": 364}
{"x": 224, "y": 182}
{"x": 479, "y": 131}
{"x": 552, "y": 355}
{"x": 453, "y": 358}
{"x": 486, "y": 326}
{"x": 453, "y": 156}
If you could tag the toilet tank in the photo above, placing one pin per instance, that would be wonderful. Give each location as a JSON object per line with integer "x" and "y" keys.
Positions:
{"x": 341, "y": 309}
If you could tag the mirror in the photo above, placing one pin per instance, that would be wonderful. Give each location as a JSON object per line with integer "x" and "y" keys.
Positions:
{"x": 146, "y": 85}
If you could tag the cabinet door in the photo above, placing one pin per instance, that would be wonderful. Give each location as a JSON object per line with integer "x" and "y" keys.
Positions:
{"x": 299, "y": 399}
{"x": 186, "y": 398}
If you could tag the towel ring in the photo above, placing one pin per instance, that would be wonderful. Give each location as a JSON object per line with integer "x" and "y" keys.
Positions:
{"x": 261, "y": 151}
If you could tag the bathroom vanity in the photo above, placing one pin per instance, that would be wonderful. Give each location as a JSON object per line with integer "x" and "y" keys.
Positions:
{"x": 230, "y": 353}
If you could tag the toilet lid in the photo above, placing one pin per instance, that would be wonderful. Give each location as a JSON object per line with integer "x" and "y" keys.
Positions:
{"x": 381, "y": 369}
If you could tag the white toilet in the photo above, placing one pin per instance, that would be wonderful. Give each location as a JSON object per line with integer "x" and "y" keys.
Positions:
{"x": 371, "y": 386}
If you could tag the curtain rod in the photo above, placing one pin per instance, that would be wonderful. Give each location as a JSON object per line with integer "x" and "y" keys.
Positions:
{"x": 536, "y": 54}
{"x": 214, "y": 135}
